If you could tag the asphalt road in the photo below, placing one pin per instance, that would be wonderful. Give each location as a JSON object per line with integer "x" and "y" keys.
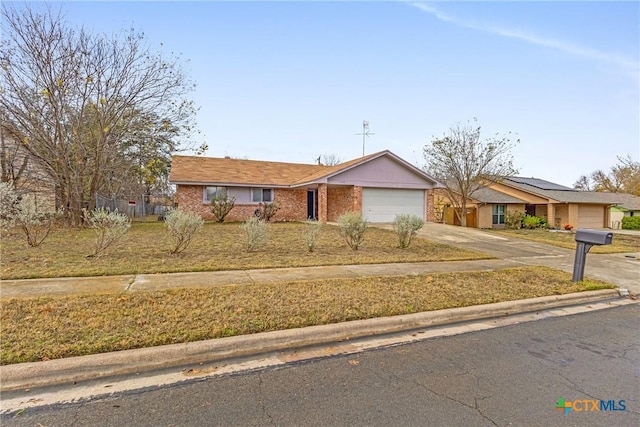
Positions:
{"x": 512, "y": 375}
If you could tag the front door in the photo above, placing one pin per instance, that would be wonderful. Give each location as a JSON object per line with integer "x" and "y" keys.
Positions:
{"x": 312, "y": 205}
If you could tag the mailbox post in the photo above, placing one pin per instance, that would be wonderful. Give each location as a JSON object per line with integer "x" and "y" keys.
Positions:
{"x": 585, "y": 240}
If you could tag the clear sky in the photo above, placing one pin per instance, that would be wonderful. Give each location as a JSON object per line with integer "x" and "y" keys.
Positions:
{"x": 289, "y": 81}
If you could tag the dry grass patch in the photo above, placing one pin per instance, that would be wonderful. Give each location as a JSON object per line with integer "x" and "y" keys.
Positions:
{"x": 49, "y": 328}
{"x": 622, "y": 243}
{"x": 219, "y": 247}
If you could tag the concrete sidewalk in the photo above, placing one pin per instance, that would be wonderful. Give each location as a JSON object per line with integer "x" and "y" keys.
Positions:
{"x": 115, "y": 284}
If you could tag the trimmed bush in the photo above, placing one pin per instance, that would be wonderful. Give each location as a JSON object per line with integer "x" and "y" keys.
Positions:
{"x": 352, "y": 229}
{"x": 221, "y": 206}
{"x": 406, "y": 227}
{"x": 183, "y": 227}
{"x": 109, "y": 228}
{"x": 532, "y": 222}
{"x": 631, "y": 223}
{"x": 256, "y": 232}
{"x": 513, "y": 220}
{"x": 311, "y": 234}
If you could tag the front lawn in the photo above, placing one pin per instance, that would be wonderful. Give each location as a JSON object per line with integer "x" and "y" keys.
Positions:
{"x": 622, "y": 243}
{"x": 219, "y": 247}
{"x": 46, "y": 328}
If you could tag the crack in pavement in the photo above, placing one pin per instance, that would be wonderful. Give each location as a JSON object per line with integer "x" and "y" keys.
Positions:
{"x": 261, "y": 401}
{"x": 475, "y": 399}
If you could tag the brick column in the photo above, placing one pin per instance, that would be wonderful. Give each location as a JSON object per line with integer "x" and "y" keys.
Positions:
{"x": 322, "y": 202}
{"x": 357, "y": 199}
{"x": 431, "y": 205}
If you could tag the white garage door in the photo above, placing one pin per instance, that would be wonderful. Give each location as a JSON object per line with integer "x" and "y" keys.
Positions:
{"x": 382, "y": 205}
{"x": 590, "y": 216}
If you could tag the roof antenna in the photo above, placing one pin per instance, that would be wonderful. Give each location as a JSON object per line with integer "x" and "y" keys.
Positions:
{"x": 365, "y": 133}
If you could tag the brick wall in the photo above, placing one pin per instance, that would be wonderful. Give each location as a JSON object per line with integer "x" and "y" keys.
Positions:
{"x": 293, "y": 204}
{"x": 341, "y": 200}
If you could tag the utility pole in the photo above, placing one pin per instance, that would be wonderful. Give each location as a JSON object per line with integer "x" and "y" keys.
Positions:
{"x": 365, "y": 133}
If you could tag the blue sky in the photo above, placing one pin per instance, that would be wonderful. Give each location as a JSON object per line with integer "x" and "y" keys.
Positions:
{"x": 290, "y": 81}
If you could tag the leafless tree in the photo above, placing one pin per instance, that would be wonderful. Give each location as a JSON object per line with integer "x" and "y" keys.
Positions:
{"x": 464, "y": 163}
{"x": 82, "y": 103}
{"x": 624, "y": 177}
{"x": 329, "y": 160}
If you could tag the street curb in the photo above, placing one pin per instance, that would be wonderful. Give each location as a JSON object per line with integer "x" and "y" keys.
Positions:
{"x": 83, "y": 368}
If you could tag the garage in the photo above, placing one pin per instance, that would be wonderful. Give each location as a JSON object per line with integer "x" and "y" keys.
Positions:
{"x": 590, "y": 216}
{"x": 383, "y": 204}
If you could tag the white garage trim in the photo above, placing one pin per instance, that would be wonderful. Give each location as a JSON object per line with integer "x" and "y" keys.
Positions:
{"x": 590, "y": 216}
{"x": 383, "y": 204}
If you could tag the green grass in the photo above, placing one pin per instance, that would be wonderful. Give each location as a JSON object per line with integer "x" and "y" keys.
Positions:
{"x": 219, "y": 247}
{"x": 44, "y": 328}
{"x": 622, "y": 243}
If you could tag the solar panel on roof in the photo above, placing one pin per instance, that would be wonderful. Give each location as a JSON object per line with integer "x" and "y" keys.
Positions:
{"x": 539, "y": 183}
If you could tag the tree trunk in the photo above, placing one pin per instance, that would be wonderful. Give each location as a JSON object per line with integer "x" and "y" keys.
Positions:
{"x": 463, "y": 213}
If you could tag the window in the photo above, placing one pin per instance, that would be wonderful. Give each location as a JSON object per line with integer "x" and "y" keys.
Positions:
{"x": 498, "y": 214}
{"x": 261, "y": 195}
{"x": 211, "y": 193}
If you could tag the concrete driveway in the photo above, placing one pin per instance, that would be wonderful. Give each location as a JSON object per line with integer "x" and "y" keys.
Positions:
{"x": 620, "y": 269}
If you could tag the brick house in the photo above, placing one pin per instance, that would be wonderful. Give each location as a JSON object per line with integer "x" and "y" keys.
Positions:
{"x": 557, "y": 204}
{"x": 379, "y": 185}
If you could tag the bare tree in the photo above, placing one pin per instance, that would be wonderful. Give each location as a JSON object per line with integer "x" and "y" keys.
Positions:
{"x": 464, "y": 163}
{"x": 329, "y": 160}
{"x": 623, "y": 177}
{"x": 79, "y": 101}
{"x": 583, "y": 184}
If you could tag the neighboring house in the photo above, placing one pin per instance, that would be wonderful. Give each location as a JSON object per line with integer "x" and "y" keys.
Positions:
{"x": 558, "y": 204}
{"x": 623, "y": 205}
{"x": 26, "y": 174}
{"x": 379, "y": 185}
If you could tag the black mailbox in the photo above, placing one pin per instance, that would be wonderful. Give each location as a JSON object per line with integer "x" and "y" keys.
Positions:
{"x": 585, "y": 240}
{"x": 594, "y": 237}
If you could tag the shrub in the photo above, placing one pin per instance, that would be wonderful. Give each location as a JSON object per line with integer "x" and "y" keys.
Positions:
{"x": 532, "y": 222}
{"x": 568, "y": 227}
{"x": 183, "y": 227}
{"x": 8, "y": 205}
{"x": 513, "y": 220}
{"x": 406, "y": 227}
{"x": 256, "y": 231}
{"x": 36, "y": 225}
{"x": 266, "y": 211}
{"x": 109, "y": 228}
{"x": 631, "y": 223}
{"x": 352, "y": 229}
{"x": 221, "y": 206}
{"x": 311, "y": 234}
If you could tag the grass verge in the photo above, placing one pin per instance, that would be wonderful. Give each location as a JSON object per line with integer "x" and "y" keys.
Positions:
{"x": 44, "y": 328}
{"x": 218, "y": 247}
{"x": 622, "y": 243}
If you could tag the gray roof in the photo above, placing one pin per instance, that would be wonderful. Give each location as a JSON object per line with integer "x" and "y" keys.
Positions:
{"x": 489, "y": 195}
{"x": 625, "y": 201}
{"x": 557, "y": 192}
